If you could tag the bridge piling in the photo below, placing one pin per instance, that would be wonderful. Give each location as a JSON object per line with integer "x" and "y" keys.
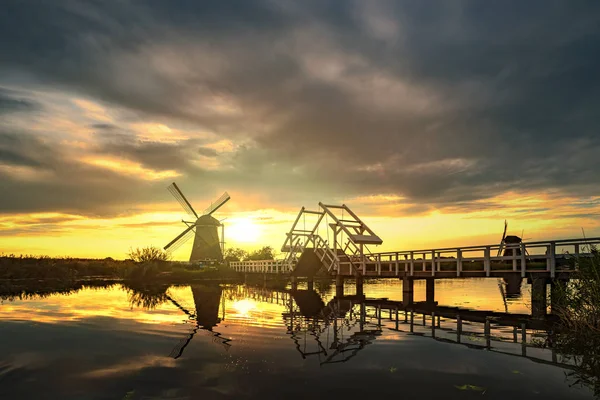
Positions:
{"x": 339, "y": 285}
{"x": 408, "y": 290}
{"x": 430, "y": 290}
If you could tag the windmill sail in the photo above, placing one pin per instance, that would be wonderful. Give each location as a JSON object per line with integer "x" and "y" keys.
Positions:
{"x": 181, "y": 241}
{"x": 174, "y": 189}
{"x": 180, "y": 236}
{"x": 502, "y": 240}
{"x": 217, "y": 204}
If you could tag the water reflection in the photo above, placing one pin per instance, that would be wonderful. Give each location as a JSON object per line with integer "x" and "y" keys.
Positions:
{"x": 245, "y": 329}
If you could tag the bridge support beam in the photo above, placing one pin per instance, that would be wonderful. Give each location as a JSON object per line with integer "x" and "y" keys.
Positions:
{"x": 408, "y": 290}
{"x": 359, "y": 286}
{"x": 538, "y": 297}
{"x": 294, "y": 283}
{"x": 339, "y": 286}
{"x": 430, "y": 290}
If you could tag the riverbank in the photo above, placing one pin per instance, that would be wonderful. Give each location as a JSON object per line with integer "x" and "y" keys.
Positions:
{"x": 22, "y": 268}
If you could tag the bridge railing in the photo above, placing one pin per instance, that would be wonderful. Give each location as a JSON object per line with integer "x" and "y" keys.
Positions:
{"x": 542, "y": 256}
{"x": 265, "y": 266}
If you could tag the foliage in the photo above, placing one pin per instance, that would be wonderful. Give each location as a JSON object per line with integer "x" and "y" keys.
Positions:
{"x": 265, "y": 253}
{"x": 235, "y": 254}
{"x": 578, "y": 337}
{"x": 148, "y": 254}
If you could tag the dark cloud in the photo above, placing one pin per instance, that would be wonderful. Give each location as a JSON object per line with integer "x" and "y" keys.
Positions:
{"x": 54, "y": 181}
{"x": 443, "y": 104}
{"x": 10, "y": 101}
{"x": 207, "y": 152}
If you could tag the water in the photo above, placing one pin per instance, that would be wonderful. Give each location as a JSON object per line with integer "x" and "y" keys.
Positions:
{"x": 119, "y": 343}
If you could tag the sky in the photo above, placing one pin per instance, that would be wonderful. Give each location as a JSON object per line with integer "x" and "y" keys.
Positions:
{"x": 434, "y": 121}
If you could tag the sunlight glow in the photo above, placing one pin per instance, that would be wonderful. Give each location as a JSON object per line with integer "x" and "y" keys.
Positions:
{"x": 243, "y": 307}
{"x": 242, "y": 231}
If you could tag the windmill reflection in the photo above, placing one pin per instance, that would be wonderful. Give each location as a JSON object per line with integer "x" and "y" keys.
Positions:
{"x": 204, "y": 316}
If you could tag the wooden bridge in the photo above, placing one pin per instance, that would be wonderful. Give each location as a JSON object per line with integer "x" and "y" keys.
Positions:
{"x": 345, "y": 252}
{"x": 337, "y": 242}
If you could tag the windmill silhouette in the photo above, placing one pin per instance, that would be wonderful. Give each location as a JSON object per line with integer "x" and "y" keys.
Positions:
{"x": 204, "y": 228}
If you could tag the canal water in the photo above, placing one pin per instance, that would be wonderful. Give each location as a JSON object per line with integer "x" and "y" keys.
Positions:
{"x": 229, "y": 341}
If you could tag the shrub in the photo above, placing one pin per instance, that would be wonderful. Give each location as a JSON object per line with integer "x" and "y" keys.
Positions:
{"x": 148, "y": 254}
{"x": 579, "y": 330}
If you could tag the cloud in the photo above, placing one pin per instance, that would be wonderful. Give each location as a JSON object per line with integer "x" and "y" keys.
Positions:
{"x": 442, "y": 106}
{"x": 11, "y": 101}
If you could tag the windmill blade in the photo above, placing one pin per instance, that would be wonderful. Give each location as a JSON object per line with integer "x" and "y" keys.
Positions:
{"x": 503, "y": 237}
{"x": 183, "y": 236}
{"x": 181, "y": 241}
{"x": 174, "y": 189}
{"x": 217, "y": 204}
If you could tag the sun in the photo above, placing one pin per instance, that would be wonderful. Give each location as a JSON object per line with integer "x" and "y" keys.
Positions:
{"x": 242, "y": 230}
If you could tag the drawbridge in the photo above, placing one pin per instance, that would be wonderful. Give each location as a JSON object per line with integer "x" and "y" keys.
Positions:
{"x": 331, "y": 240}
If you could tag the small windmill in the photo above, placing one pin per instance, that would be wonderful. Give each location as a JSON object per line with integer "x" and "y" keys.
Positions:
{"x": 509, "y": 242}
{"x": 204, "y": 228}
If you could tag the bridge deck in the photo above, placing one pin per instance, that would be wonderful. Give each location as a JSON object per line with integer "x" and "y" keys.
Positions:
{"x": 544, "y": 259}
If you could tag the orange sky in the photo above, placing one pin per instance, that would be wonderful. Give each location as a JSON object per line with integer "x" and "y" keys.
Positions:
{"x": 78, "y": 236}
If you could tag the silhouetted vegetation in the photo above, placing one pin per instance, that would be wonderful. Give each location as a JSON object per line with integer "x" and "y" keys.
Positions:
{"x": 237, "y": 254}
{"x": 264, "y": 253}
{"x": 579, "y": 334}
{"x": 148, "y": 254}
{"x": 66, "y": 271}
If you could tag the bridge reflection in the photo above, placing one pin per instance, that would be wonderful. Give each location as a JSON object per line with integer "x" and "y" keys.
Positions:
{"x": 336, "y": 329}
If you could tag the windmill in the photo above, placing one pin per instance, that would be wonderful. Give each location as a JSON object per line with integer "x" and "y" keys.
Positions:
{"x": 510, "y": 242}
{"x": 204, "y": 228}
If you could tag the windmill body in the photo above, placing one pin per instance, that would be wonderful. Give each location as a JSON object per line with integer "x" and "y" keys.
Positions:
{"x": 206, "y": 240}
{"x": 204, "y": 228}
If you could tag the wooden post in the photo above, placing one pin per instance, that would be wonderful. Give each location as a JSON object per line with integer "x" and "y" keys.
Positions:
{"x": 439, "y": 261}
{"x": 378, "y": 264}
{"x": 487, "y": 262}
{"x": 487, "y": 329}
{"x": 458, "y": 328}
{"x": 397, "y": 264}
{"x": 407, "y": 291}
{"x": 524, "y": 339}
{"x": 514, "y": 258}
{"x": 548, "y": 256}
{"x": 433, "y": 324}
{"x": 412, "y": 263}
{"x": 396, "y": 317}
{"x": 424, "y": 262}
{"x": 576, "y": 255}
{"x": 432, "y": 262}
{"x": 553, "y": 259}
{"x": 430, "y": 290}
{"x": 412, "y": 321}
{"x": 458, "y": 261}
{"x": 523, "y": 260}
